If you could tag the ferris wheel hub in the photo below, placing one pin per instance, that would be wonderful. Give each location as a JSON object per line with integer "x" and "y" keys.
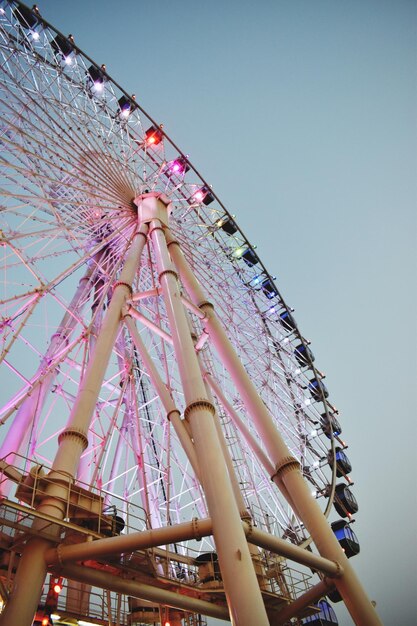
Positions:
{"x": 153, "y": 205}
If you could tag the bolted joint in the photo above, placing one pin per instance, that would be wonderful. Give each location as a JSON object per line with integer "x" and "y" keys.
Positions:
{"x": 172, "y": 414}
{"x": 141, "y": 232}
{"x": 288, "y": 464}
{"x": 173, "y": 242}
{"x": 155, "y": 228}
{"x": 126, "y": 311}
{"x": 120, "y": 283}
{"x": 61, "y": 335}
{"x": 168, "y": 272}
{"x": 199, "y": 405}
{"x": 246, "y": 517}
{"x": 339, "y": 572}
{"x": 196, "y": 532}
{"x": 74, "y": 433}
{"x": 247, "y": 526}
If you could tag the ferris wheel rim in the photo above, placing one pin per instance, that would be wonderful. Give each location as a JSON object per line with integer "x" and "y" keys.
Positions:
{"x": 316, "y": 373}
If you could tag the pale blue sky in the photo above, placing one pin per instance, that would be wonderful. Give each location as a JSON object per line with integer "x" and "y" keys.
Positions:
{"x": 302, "y": 115}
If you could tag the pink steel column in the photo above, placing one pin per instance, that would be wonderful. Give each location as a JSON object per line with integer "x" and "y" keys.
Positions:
{"x": 287, "y": 469}
{"x": 244, "y": 513}
{"x": 15, "y": 438}
{"x": 73, "y": 439}
{"x": 31, "y": 572}
{"x": 172, "y": 412}
{"x": 242, "y": 590}
{"x": 250, "y": 440}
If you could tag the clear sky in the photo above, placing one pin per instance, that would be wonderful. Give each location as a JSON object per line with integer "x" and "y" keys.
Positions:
{"x": 301, "y": 113}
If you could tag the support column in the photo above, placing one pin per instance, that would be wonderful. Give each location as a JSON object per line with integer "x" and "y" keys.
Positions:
{"x": 242, "y": 590}
{"x": 311, "y": 596}
{"x": 31, "y": 572}
{"x": 29, "y": 409}
{"x": 244, "y": 513}
{"x": 142, "y": 591}
{"x": 172, "y": 412}
{"x": 287, "y": 469}
{"x": 69, "y": 452}
{"x": 250, "y": 440}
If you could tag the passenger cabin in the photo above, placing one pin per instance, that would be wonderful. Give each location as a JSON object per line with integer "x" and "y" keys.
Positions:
{"x": 346, "y": 537}
{"x": 304, "y": 355}
{"x": 343, "y": 465}
{"x": 345, "y": 502}
{"x": 325, "y": 617}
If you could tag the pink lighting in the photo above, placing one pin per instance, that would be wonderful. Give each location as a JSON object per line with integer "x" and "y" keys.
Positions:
{"x": 202, "y": 195}
{"x": 179, "y": 166}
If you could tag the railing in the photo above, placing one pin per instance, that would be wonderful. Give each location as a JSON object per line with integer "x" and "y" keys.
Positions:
{"x": 96, "y": 510}
{"x": 95, "y": 513}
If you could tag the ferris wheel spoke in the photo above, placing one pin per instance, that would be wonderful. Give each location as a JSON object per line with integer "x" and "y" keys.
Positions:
{"x": 172, "y": 413}
{"x": 112, "y": 180}
{"x": 50, "y": 197}
{"x": 101, "y": 461}
{"x": 26, "y": 314}
{"x": 170, "y": 409}
{"x": 44, "y": 378}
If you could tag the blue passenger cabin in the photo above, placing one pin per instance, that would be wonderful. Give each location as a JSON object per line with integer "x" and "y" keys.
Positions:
{"x": 330, "y": 426}
{"x": 317, "y": 388}
{"x": 346, "y": 537}
{"x": 62, "y": 46}
{"x": 269, "y": 289}
{"x": 304, "y": 355}
{"x": 345, "y": 502}
{"x": 287, "y": 320}
{"x": 343, "y": 465}
{"x": 250, "y": 257}
{"x": 325, "y": 617}
{"x": 27, "y": 18}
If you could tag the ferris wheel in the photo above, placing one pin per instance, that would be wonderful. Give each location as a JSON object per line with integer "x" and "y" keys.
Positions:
{"x": 153, "y": 377}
